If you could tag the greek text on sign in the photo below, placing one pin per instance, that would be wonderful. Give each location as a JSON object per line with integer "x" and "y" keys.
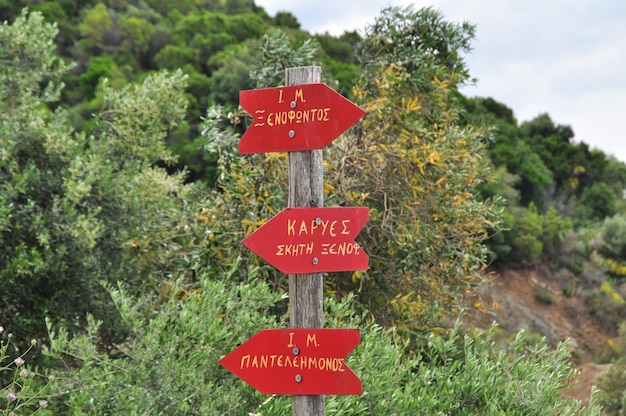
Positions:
{"x": 312, "y": 240}
{"x": 300, "y": 117}
{"x": 297, "y": 361}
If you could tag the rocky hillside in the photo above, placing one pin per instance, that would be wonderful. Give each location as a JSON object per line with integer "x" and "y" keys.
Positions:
{"x": 527, "y": 299}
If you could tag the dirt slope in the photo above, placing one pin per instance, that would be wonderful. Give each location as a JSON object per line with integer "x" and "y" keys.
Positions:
{"x": 526, "y": 299}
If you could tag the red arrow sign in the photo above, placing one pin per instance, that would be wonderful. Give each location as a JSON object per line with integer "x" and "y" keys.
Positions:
{"x": 312, "y": 240}
{"x": 297, "y": 361}
{"x": 299, "y": 117}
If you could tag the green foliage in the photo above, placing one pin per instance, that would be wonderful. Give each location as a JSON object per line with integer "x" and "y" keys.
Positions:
{"x": 95, "y": 26}
{"x": 24, "y": 392}
{"x": 612, "y": 383}
{"x": 286, "y": 19}
{"x": 169, "y": 365}
{"x": 99, "y": 67}
{"x": 160, "y": 366}
{"x": 608, "y": 306}
{"x": 137, "y": 33}
{"x": 422, "y": 42}
{"x": 614, "y": 236}
{"x": 417, "y": 170}
{"x": 83, "y": 210}
{"x": 599, "y": 201}
{"x": 455, "y": 375}
{"x": 279, "y": 53}
{"x": 72, "y": 201}
{"x": 425, "y": 223}
{"x": 554, "y": 229}
{"x": 527, "y": 240}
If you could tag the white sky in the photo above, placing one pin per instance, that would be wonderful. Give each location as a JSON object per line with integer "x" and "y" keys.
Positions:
{"x": 566, "y": 58}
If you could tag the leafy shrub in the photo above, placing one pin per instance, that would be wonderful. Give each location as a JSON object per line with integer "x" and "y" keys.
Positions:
{"x": 24, "y": 392}
{"x": 608, "y": 306}
{"x": 454, "y": 375}
{"x": 599, "y": 201}
{"x": 527, "y": 235}
{"x": 170, "y": 366}
{"x": 614, "y": 235}
{"x": 611, "y": 388}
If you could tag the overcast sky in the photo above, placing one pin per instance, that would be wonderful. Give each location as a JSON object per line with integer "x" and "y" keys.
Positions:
{"x": 566, "y": 58}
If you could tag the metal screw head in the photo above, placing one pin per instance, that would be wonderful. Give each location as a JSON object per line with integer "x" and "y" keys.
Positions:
{"x": 318, "y": 221}
{"x": 315, "y": 260}
{"x": 296, "y": 350}
{"x": 292, "y": 134}
{"x": 293, "y": 104}
{"x": 298, "y": 378}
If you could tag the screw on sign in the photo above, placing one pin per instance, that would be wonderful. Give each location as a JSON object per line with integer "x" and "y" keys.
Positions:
{"x": 295, "y": 118}
{"x": 312, "y": 240}
{"x": 301, "y": 361}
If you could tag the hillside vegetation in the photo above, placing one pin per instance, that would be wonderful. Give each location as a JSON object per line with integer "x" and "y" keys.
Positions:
{"x": 123, "y": 202}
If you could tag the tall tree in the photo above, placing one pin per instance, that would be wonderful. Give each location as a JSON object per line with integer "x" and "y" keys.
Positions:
{"x": 71, "y": 203}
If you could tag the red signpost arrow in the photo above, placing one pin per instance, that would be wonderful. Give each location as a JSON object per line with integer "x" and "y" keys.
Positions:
{"x": 312, "y": 240}
{"x": 300, "y": 117}
{"x": 301, "y": 361}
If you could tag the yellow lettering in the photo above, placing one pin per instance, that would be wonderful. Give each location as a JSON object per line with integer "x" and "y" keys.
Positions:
{"x": 280, "y": 250}
{"x": 280, "y": 96}
{"x": 303, "y": 228}
{"x": 260, "y": 116}
{"x": 325, "y": 248}
{"x": 332, "y": 229}
{"x": 326, "y": 110}
{"x": 299, "y": 95}
{"x": 291, "y": 227}
{"x": 345, "y": 227}
{"x": 255, "y": 362}
{"x": 290, "y": 345}
{"x": 273, "y": 359}
{"x": 269, "y": 120}
{"x": 264, "y": 361}
{"x": 279, "y": 362}
{"x": 324, "y": 226}
{"x": 311, "y": 338}
{"x": 309, "y": 248}
{"x": 245, "y": 361}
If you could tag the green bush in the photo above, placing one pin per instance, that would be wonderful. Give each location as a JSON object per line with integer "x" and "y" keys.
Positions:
{"x": 611, "y": 388}
{"x": 527, "y": 235}
{"x": 614, "y": 236}
{"x": 170, "y": 365}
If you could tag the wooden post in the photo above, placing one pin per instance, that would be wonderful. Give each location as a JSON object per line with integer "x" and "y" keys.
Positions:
{"x": 306, "y": 291}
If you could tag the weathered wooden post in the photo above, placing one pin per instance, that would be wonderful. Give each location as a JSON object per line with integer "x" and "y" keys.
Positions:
{"x": 306, "y": 291}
